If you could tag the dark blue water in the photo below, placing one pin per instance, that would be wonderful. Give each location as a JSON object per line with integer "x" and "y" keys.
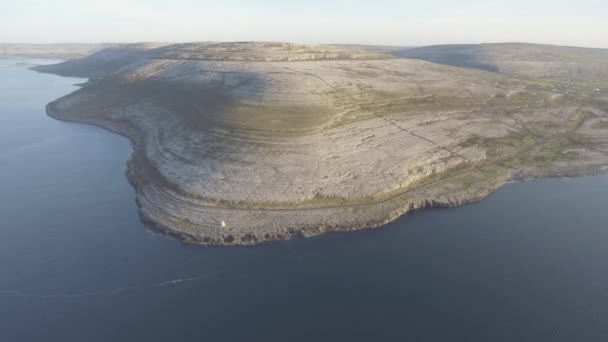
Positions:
{"x": 530, "y": 263}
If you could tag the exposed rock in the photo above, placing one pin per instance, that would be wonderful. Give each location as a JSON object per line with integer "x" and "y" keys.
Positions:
{"x": 280, "y": 140}
{"x": 518, "y": 59}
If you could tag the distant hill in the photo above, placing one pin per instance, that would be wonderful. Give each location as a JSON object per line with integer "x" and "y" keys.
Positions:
{"x": 104, "y": 61}
{"x": 60, "y": 51}
{"x": 374, "y": 48}
{"x": 517, "y": 58}
{"x": 114, "y": 58}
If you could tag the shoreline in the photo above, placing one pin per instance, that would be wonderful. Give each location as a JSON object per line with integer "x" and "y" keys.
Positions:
{"x": 186, "y": 234}
{"x": 172, "y": 189}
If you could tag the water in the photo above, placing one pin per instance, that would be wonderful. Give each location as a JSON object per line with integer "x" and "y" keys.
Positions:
{"x": 529, "y": 263}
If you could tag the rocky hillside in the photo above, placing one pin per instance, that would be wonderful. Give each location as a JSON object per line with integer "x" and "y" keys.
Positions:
{"x": 103, "y": 62}
{"x": 518, "y": 59}
{"x": 279, "y": 140}
{"x": 112, "y": 59}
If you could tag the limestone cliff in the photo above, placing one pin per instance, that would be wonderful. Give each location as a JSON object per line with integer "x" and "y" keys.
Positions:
{"x": 280, "y": 139}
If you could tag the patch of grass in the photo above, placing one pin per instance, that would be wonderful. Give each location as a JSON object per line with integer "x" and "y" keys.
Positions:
{"x": 572, "y": 87}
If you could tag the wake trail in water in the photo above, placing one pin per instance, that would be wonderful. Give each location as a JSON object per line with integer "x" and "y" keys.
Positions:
{"x": 114, "y": 292}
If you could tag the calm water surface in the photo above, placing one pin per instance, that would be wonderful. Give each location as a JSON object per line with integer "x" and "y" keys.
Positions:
{"x": 530, "y": 263}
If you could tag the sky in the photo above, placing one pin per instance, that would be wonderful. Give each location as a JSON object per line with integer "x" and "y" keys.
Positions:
{"x": 381, "y": 22}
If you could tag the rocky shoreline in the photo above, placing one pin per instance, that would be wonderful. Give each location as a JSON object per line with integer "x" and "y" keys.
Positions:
{"x": 188, "y": 234}
{"x": 380, "y": 215}
{"x": 277, "y": 150}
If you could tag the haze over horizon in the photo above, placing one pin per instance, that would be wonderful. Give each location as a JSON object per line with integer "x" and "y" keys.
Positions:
{"x": 387, "y": 22}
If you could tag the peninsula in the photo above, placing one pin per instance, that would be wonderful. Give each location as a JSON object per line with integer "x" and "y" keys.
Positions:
{"x": 241, "y": 143}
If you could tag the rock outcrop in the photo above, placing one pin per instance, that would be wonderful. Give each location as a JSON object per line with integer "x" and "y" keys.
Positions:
{"x": 278, "y": 140}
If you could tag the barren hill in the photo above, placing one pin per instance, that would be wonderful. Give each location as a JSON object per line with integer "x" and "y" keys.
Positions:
{"x": 279, "y": 139}
{"x": 518, "y": 59}
{"x": 60, "y": 51}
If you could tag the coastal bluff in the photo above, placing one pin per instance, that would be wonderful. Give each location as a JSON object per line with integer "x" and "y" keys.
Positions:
{"x": 279, "y": 140}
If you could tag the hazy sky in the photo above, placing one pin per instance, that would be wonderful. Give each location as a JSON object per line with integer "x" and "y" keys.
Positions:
{"x": 396, "y": 22}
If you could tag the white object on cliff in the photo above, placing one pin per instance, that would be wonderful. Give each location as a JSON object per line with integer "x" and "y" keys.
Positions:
{"x": 223, "y": 224}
